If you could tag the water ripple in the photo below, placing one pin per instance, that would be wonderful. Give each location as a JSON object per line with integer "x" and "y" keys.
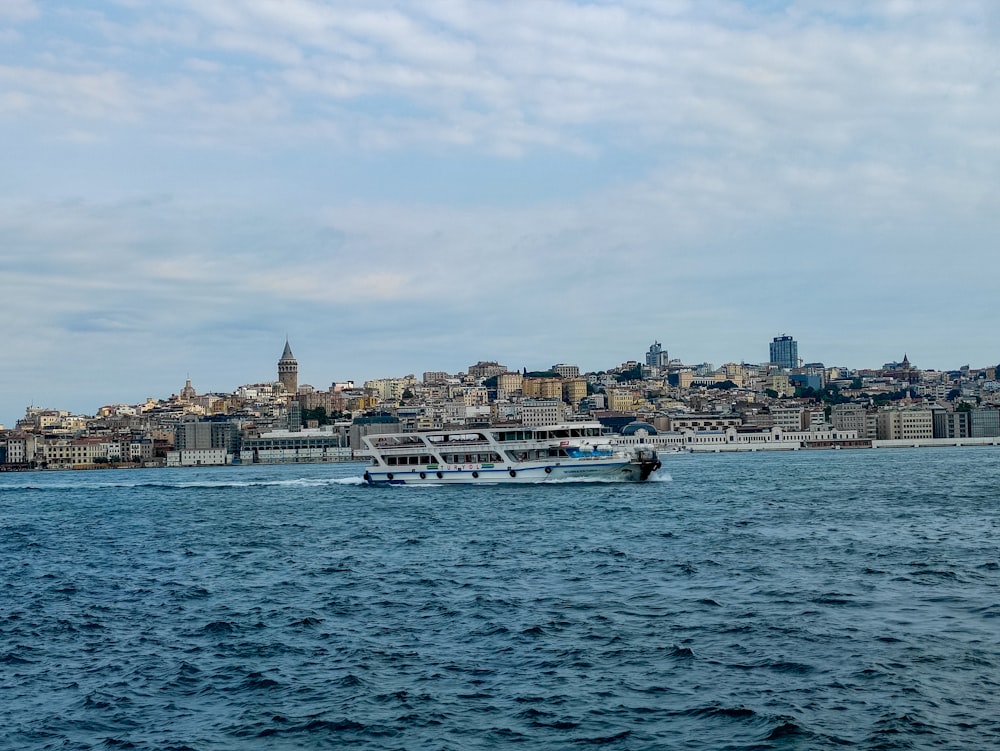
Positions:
{"x": 815, "y": 600}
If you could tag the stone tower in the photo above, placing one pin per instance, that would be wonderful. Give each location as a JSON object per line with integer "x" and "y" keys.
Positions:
{"x": 288, "y": 370}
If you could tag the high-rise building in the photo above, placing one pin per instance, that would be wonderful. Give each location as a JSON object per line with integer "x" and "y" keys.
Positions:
{"x": 785, "y": 352}
{"x": 288, "y": 370}
{"x": 657, "y": 355}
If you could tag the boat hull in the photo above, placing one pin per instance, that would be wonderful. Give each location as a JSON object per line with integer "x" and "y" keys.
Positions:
{"x": 617, "y": 471}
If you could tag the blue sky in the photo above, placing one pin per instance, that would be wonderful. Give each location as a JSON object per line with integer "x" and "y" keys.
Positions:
{"x": 411, "y": 186}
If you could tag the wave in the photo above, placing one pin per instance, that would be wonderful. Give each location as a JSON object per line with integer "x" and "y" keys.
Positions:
{"x": 301, "y": 482}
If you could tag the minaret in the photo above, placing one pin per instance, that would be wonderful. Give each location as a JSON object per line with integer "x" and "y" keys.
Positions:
{"x": 288, "y": 370}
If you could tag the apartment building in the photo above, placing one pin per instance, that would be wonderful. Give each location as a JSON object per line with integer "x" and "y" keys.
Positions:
{"x": 909, "y": 424}
{"x": 789, "y": 419}
{"x": 574, "y": 390}
{"x": 543, "y": 412}
{"x": 542, "y": 388}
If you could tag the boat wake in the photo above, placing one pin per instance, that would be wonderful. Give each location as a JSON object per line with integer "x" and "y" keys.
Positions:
{"x": 301, "y": 482}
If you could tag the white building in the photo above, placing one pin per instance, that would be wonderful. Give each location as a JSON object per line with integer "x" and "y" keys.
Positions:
{"x": 309, "y": 446}
{"x": 198, "y": 458}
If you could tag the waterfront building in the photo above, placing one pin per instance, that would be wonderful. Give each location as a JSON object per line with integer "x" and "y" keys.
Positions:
{"x": 198, "y": 458}
{"x": 70, "y": 453}
{"x": 701, "y": 422}
{"x": 288, "y": 370}
{"x": 815, "y": 419}
{"x": 904, "y": 424}
{"x": 984, "y": 423}
{"x": 789, "y": 419}
{"x": 22, "y": 448}
{"x": 308, "y": 446}
{"x": 951, "y": 424}
{"x": 784, "y": 351}
{"x": 850, "y": 416}
{"x": 206, "y": 434}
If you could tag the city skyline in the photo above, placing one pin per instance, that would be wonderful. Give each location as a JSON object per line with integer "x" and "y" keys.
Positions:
{"x": 404, "y": 187}
{"x": 286, "y": 372}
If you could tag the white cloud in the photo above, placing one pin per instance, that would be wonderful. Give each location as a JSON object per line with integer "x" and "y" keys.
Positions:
{"x": 521, "y": 76}
{"x": 723, "y": 164}
{"x": 18, "y": 10}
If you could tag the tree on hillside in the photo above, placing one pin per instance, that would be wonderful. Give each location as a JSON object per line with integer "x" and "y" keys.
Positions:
{"x": 632, "y": 374}
{"x": 319, "y": 415}
{"x": 724, "y": 385}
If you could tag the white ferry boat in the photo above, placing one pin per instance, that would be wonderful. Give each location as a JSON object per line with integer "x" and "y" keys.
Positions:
{"x": 574, "y": 451}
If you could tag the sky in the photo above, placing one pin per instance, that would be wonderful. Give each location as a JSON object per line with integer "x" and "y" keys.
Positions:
{"x": 400, "y": 187}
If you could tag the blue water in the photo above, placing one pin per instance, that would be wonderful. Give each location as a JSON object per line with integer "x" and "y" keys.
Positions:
{"x": 807, "y": 600}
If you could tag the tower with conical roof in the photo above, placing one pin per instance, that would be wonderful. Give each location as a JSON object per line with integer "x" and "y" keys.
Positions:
{"x": 288, "y": 370}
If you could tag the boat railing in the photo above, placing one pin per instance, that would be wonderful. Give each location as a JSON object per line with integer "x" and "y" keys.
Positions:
{"x": 394, "y": 441}
{"x": 459, "y": 439}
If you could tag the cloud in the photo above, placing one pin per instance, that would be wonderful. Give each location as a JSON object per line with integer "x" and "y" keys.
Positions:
{"x": 549, "y": 179}
{"x": 530, "y": 76}
{"x": 17, "y": 11}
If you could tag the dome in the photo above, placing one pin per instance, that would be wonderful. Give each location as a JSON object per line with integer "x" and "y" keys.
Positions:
{"x": 639, "y": 428}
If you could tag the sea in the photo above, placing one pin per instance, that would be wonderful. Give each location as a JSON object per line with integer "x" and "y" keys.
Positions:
{"x": 770, "y": 600}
